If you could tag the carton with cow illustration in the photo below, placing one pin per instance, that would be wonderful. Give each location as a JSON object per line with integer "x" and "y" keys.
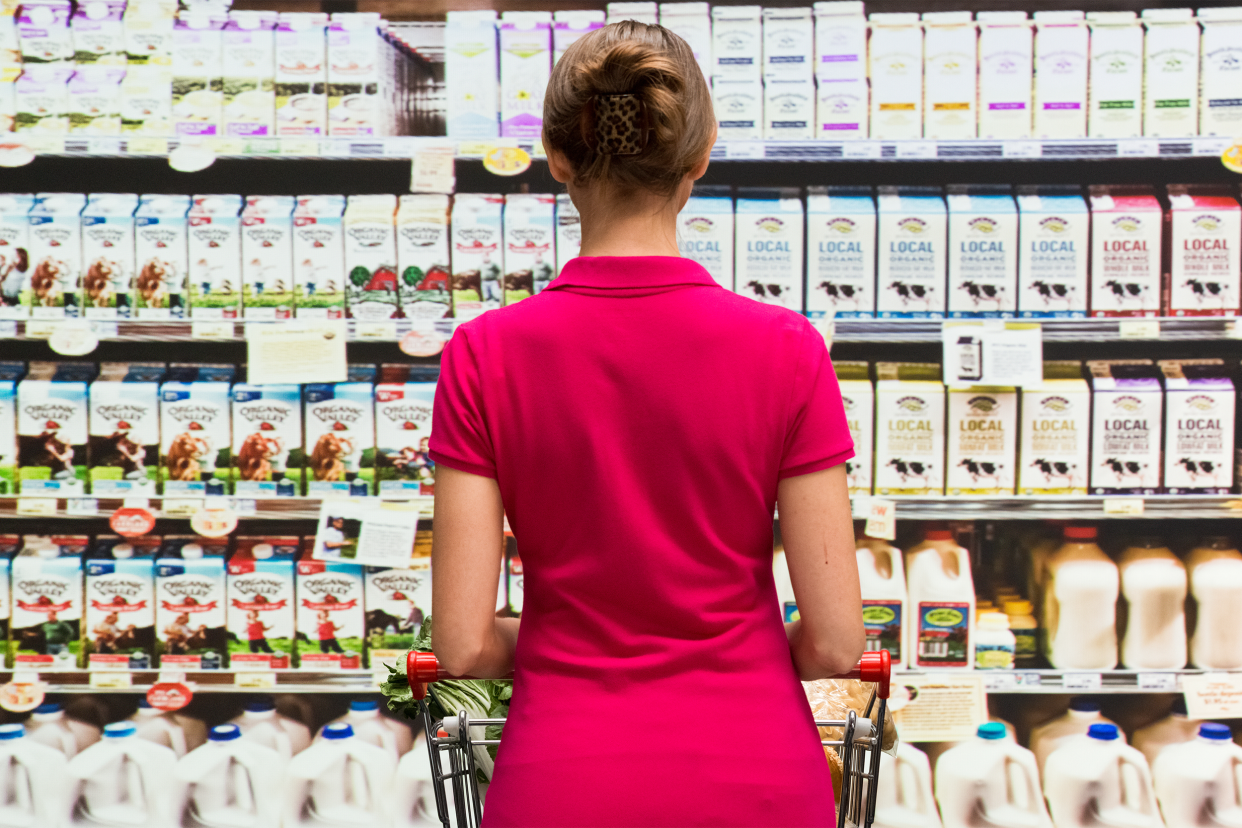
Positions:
{"x": 423, "y": 257}
{"x": 190, "y": 600}
{"x": 912, "y": 230}
{"x": 215, "y": 257}
{"x": 262, "y": 603}
{"x": 371, "y": 257}
{"x": 9, "y": 546}
{"x": 267, "y": 440}
{"x": 909, "y": 429}
{"x": 983, "y": 253}
{"x": 1054, "y": 238}
{"x": 569, "y": 237}
{"x": 1055, "y": 432}
{"x": 195, "y": 437}
{"x": 14, "y": 254}
{"x": 52, "y": 426}
{"x": 1202, "y": 272}
{"x": 10, "y": 374}
{"x": 119, "y": 603}
{"x": 982, "y": 441}
{"x": 124, "y": 441}
{"x": 1127, "y": 407}
{"x": 108, "y": 255}
{"x": 403, "y": 463}
{"x": 45, "y": 631}
{"x": 161, "y": 253}
{"x": 319, "y": 257}
{"x": 704, "y": 231}
{"x": 330, "y": 613}
{"x": 769, "y": 247}
{"x": 267, "y": 257}
{"x": 54, "y": 248}
{"x": 397, "y": 601}
{"x": 858, "y": 397}
{"x": 477, "y": 257}
{"x": 1200, "y": 401}
{"x": 840, "y": 252}
{"x": 340, "y": 432}
{"x": 1126, "y": 231}
{"x": 530, "y": 245}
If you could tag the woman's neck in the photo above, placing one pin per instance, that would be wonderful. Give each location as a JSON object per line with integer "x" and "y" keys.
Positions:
{"x": 638, "y": 225}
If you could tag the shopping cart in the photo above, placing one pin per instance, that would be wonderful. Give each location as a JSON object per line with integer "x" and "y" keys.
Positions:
{"x": 457, "y": 797}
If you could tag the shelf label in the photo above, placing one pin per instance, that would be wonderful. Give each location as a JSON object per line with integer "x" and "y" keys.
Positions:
{"x": 432, "y": 171}
{"x": 44, "y": 144}
{"x": 1081, "y": 681}
{"x": 861, "y": 149}
{"x": 1139, "y": 328}
{"x": 255, "y": 681}
{"x": 40, "y": 328}
{"x": 375, "y": 330}
{"x": 1022, "y": 149}
{"x": 82, "y": 506}
{"x": 881, "y": 519}
{"x": 1213, "y": 695}
{"x": 36, "y": 506}
{"x": 741, "y": 150}
{"x": 1138, "y": 148}
{"x": 245, "y": 506}
{"x": 945, "y": 707}
{"x": 181, "y": 507}
{"x": 1000, "y": 681}
{"x": 916, "y": 149}
{"x": 8, "y": 329}
{"x": 212, "y": 329}
{"x": 1123, "y": 506}
{"x": 1162, "y": 682}
{"x": 147, "y": 146}
{"x": 114, "y": 680}
{"x": 299, "y": 146}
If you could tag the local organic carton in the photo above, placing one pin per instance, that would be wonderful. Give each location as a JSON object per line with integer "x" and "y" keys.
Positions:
{"x": 983, "y": 253}
{"x": 124, "y": 442}
{"x": 340, "y": 432}
{"x": 840, "y": 252}
{"x": 568, "y": 26}
{"x": 1006, "y": 58}
{"x": 1126, "y": 410}
{"x": 1205, "y": 225}
{"x": 1126, "y": 230}
{"x": 1116, "y": 94}
{"x": 909, "y": 429}
{"x": 705, "y": 233}
{"x": 950, "y": 71}
{"x": 195, "y": 434}
{"x": 319, "y": 257}
{"x": 858, "y": 397}
{"x": 190, "y": 601}
{"x": 896, "y": 61}
{"x": 912, "y": 231}
{"x": 371, "y": 257}
{"x": 331, "y": 617}
{"x": 1199, "y": 427}
{"x": 477, "y": 260}
{"x": 54, "y": 252}
{"x": 52, "y": 428}
{"x": 119, "y": 603}
{"x": 249, "y": 75}
{"x": 1061, "y": 39}
{"x": 403, "y": 437}
{"x": 1055, "y": 432}
{"x": 525, "y": 63}
{"x": 769, "y": 253}
{"x": 301, "y": 74}
{"x": 161, "y": 253}
{"x": 1171, "y": 73}
{"x": 267, "y": 257}
{"x": 423, "y": 256}
{"x": 569, "y": 234}
{"x": 108, "y": 255}
{"x": 46, "y": 629}
{"x": 1054, "y": 233}
{"x": 267, "y": 440}
{"x": 14, "y": 254}
{"x": 737, "y": 43}
{"x": 472, "y": 89}
{"x": 982, "y": 440}
{"x": 842, "y": 109}
{"x": 262, "y": 602}
{"x": 739, "y": 108}
{"x": 1220, "y": 73}
{"x": 354, "y": 74}
{"x": 530, "y": 244}
{"x": 215, "y": 257}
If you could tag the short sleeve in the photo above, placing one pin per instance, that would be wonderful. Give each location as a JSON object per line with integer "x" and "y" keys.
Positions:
{"x": 817, "y": 435}
{"x": 459, "y": 435}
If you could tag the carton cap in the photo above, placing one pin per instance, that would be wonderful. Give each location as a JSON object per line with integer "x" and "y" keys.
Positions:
{"x": 1055, "y": 18}
{"x": 894, "y": 18}
{"x": 948, "y": 18}
{"x": 1168, "y": 15}
{"x": 1223, "y": 14}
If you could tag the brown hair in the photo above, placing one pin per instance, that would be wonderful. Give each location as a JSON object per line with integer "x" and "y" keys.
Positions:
{"x": 657, "y": 67}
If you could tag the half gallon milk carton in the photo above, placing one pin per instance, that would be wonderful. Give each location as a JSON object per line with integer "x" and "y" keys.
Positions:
{"x": 739, "y": 109}
{"x": 705, "y": 232}
{"x": 249, "y": 94}
{"x": 1006, "y": 59}
{"x": 198, "y": 65}
{"x": 45, "y": 632}
{"x": 149, "y": 35}
{"x": 841, "y": 107}
{"x": 267, "y": 257}
{"x": 1171, "y": 63}
{"x": 1220, "y": 72}
{"x": 44, "y": 33}
{"x": 896, "y": 61}
{"x": 190, "y": 600}
{"x": 14, "y": 254}
{"x": 397, "y": 601}
{"x": 525, "y": 63}
{"x": 340, "y": 432}
{"x": 319, "y": 257}
{"x": 95, "y": 100}
{"x": 41, "y": 100}
{"x": 1053, "y": 231}
{"x": 569, "y": 234}
{"x": 530, "y": 244}
{"x": 1055, "y": 432}
{"x": 161, "y": 252}
{"x": 1205, "y": 225}
{"x": 215, "y": 257}
{"x": 1115, "y": 99}
{"x": 788, "y": 109}
{"x": 471, "y": 76}
{"x": 737, "y": 43}
{"x": 1199, "y": 427}
{"x": 840, "y": 252}
{"x": 909, "y": 437}
{"x": 354, "y": 74}
{"x": 1060, "y": 74}
{"x": 195, "y": 437}
{"x": 267, "y": 440}
{"x": 331, "y": 616}
{"x": 301, "y": 74}
{"x": 403, "y": 464}
{"x": 55, "y": 255}
{"x": 10, "y": 373}
{"x": 691, "y": 22}
{"x": 371, "y": 257}
{"x": 119, "y": 605}
{"x": 9, "y": 545}
{"x": 1126, "y": 227}
{"x": 477, "y": 254}
{"x": 768, "y": 260}
{"x": 52, "y": 426}
{"x": 1127, "y": 405}
{"x": 262, "y": 602}
{"x": 982, "y": 441}
{"x": 568, "y": 26}
{"x": 950, "y": 69}
{"x": 983, "y": 253}
{"x": 788, "y": 44}
{"x": 912, "y": 232}
{"x": 123, "y": 452}
{"x": 146, "y": 100}
{"x": 98, "y": 34}
{"x": 108, "y": 254}
{"x": 423, "y": 257}
{"x": 858, "y": 396}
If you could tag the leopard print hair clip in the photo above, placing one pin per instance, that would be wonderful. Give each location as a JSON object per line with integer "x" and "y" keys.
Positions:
{"x": 620, "y": 127}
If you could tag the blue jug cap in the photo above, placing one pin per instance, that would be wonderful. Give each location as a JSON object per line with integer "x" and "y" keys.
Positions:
{"x": 48, "y": 707}
{"x": 338, "y": 731}
{"x": 1103, "y": 731}
{"x": 11, "y": 731}
{"x": 224, "y": 733}
{"x": 119, "y": 730}
{"x": 991, "y": 730}
{"x": 1215, "y": 730}
{"x": 363, "y": 705}
{"x": 1084, "y": 704}
{"x": 260, "y": 705}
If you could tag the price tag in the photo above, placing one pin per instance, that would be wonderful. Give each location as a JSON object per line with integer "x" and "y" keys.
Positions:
{"x": 246, "y": 506}
{"x": 433, "y": 171}
{"x": 999, "y": 682}
{"x": 36, "y": 506}
{"x": 23, "y": 692}
{"x": 147, "y": 146}
{"x": 255, "y": 681}
{"x": 422, "y": 340}
{"x": 169, "y": 695}
{"x": 181, "y": 507}
{"x": 299, "y": 146}
{"x": 44, "y": 144}
{"x": 1163, "y": 682}
{"x": 1022, "y": 149}
{"x": 1213, "y": 695}
{"x": 1030, "y": 679}
{"x": 881, "y": 519}
{"x": 213, "y": 523}
{"x": 1139, "y": 328}
{"x": 740, "y": 150}
{"x": 1081, "y": 681}
{"x": 506, "y": 161}
{"x": 227, "y": 146}
{"x": 861, "y": 149}
{"x": 82, "y": 506}
{"x": 169, "y": 677}
{"x": 375, "y": 330}
{"x": 40, "y": 328}
{"x": 916, "y": 149}
{"x": 1138, "y": 149}
{"x": 114, "y": 680}
{"x": 8, "y": 329}
{"x": 135, "y": 503}
{"x": 1123, "y": 506}
{"x": 214, "y": 329}
{"x": 131, "y": 523}
{"x": 1211, "y": 146}
{"x": 473, "y": 147}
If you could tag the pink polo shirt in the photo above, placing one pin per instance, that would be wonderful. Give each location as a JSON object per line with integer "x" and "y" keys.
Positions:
{"x": 637, "y": 418}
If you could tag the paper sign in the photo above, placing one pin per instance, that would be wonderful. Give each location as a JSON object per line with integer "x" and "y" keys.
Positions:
{"x": 1123, "y": 505}
{"x": 993, "y": 352}
{"x": 940, "y": 708}
{"x": 297, "y": 351}
{"x": 375, "y": 330}
{"x": 40, "y": 506}
{"x": 432, "y": 171}
{"x": 1213, "y": 695}
{"x": 370, "y": 531}
{"x": 882, "y": 520}
{"x": 74, "y": 337}
{"x": 181, "y": 507}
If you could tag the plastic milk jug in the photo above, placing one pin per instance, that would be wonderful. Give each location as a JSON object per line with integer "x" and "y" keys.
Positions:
{"x": 230, "y": 782}
{"x": 1047, "y": 737}
{"x": 989, "y": 781}
{"x": 370, "y": 725}
{"x": 32, "y": 781}
{"x": 1173, "y": 729}
{"x": 1153, "y": 582}
{"x": 339, "y": 781}
{"x": 261, "y": 723}
{"x": 784, "y": 587}
{"x": 49, "y": 725}
{"x": 413, "y": 797}
{"x": 1215, "y": 569}
{"x": 1080, "y": 598}
{"x": 883, "y": 595}
{"x": 123, "y": 780}
{"x": 905, "y": 799}
{"x": 1197, "y": 781}
{"x": 1098, "y": 780}
{"x": 940, "y": 634}
{"x": 935, "y": 750}
{"x": 173, "y": 730}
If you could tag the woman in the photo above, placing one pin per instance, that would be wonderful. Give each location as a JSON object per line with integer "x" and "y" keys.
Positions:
{"x": 638, "y": 424}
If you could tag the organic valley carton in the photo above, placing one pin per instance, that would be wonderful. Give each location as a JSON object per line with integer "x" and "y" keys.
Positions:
{"x": 950, "y": 72}
{"x": 267, "y": 440}
{"x": 842, "y": 109}
{"x": 1171, "y": 63}
{"x": 108, "y": 255}
{"x": 9, "y": 545}
{"x": 52, "y": 428}
{"x": 44, "y": 33}
{"x": 983, "y": 253}
{"x": 471, "y": 76}
{"x": 1054, "y": 232}
{"x": 858, "y": 397}
{"x": 119, "y": 603}
{"x": 1126, "y": 231}
{"x": 10, "y": 373}
{"x": 262, "y": 602}
{"x": 146, "y": 101}
{"x": 477, "y": 257}
{"x": 912, "y": 232}
{"x": 568, "y": 26}
{"x": 1006, "y": 56}
{"x": 94, "y": 100}
{"x": 705, "y": 232}
{"x": 198, "y": 66}
{"x": 331, "y": 617}
{"x": 525, "y": 63}
{"x": 569, "y": 234}
{"x": 909, "y": 429}
{"x": 301, "y": 75}
{"x": 46, "y": 628}
{"x": 1115, "y": 97}
{"x": 789, "y": 109}
{"x": 423, "y": 256}
{"x": 190, "y": 601}
{"x": 267, "y": 257}
{"x": 1205, "y": 226}
{"x": 530, "y": 244}
{"x": 737, "y": 43}
{"x": 739, "y": 109}
{"x": 249, "y": 78}
{"x": 149, "y": 35}
{"x": 98, "y": 34}
{"x": 1199, "y": 427}
{"x": 369, "y": 229}
{"x": 41, "y": 100}
{"x": 354, "y": 74}
{"x": 319, "y": 257}
{"x": 1061, "y": 61}
{"x": 124, "y": 442}
{"x": 982, "y": 441}
{"x": 769, "y": 247}
{"x": 161, "y": 254}
{"x": 403, "y": 464}
{"x": 14, "y": 253}
{"x": 340, "y": 432}
{"x": 214, "y": 249}
{"x": 397, "y": 601}
{"x": 1127, "y": 404}
{"x": 840, "y": 252}
{"x": 1220, "y": 72}
{"x": 195, "y": 437}
{"x": 1055, "y": 432}
{"x": 896, "y": 61}
{"x": 54, "y": 255}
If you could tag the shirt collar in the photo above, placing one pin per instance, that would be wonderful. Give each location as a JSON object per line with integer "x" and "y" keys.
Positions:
{"x": 631, "y": 272}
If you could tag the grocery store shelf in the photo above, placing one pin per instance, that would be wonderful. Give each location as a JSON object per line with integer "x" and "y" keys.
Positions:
{"x": 86, "y": 507}
{"x": 213, "y": 681}
{"x": 1076, "y": 682}
{"x": 185, "y": 330}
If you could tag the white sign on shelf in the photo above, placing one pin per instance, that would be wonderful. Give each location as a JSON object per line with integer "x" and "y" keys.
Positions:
{"x": 881, "y": 519}
{"x": 916, "y": 149}
{"x": 1123, "y": 505}
{"x": 1159, "y": 682}
{"x": 861, "y": 149}
{"x": 1081, "y": 681}
{"x": 744, "y": 150}
{"x": 1138, "y": 148}
{"x": 992, "y": 352}
{"x": 1213, "y": 695}
{"x": 1022, "y": 149}
{"x": 1139, "y": 328}
{"x": 296, "y": 351}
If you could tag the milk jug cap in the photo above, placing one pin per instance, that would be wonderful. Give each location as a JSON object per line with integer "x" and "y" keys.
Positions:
{"x": 260, "y": 706}
{"x": 1103, "y": 731}
{"x": 937, "y": 533}
{"x": 224, "y": 733}
{"x": 48, "y": 708}
{"x": 1082, "y": 704}
{"x": 11, "y": 731}
{"x": 991, "y": 731}
{"x": 1080, "y": 532}
{"x": 119, "y": 730}
{"x": 364, "y": 705}
{"x": 1216, "y": 732}
{"x": 338, "y": 731}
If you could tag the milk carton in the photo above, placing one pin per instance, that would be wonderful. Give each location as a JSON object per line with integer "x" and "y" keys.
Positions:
{"x": 1116, "y": 95}
{"x": 909, "y": 423}
{"x": 737, "y": 43}
{"x": 982, "y": 441}
{"x": 1055, "y": 430}
{"x": 569, "y": 233}
{"x": 403, "y": 436}
{"x": 840, "y": 252}
{"x": 842, "y": 109}
{"x": 161, "y": 252}
{"x": 1053, "y": 232}
{"x": 1005, "y": 68}
{"x": 371, "y": 257}
{"x": 54, "y": 255}
{"x": 149, "y": 35}
{"x": 1060, "y": 74}
{"x": 319, "y": 257}
{"x": 1171, "y": 63}
{"x": 108, "y": 254}
{"x": 146, "y": 101}
{"x": 8, "y": 99}
{"x": 340, "y": 432}
{"x": 41, "y": 100}
{"x": 267, "y": 257}
{"x": 301, "y": 74}
{"x": 1203, "y": 273}
{"x": 950, "y": 69}
{"x": 1125, "y": 252}
{"x": 331, "y": 616}
{"x": 10, "y": 373}
{"x": 43, "y": 31}
{"x": 642, "y": 11}
{"x": 423, "y": 256}
{"x": 9, "y": 544}
{"x": 119, "y": 603}
{"x": 248, "y": 103}
{"x": 471, "y": 76}
{"x": 1220, "y": 72}
{"x": 190, "y": 601}
{"x": 568, "y": 26}
{"x": 98, "y": 34}
{"x": 94, "y": 100}
{"x": 1199, "y": 427}
{"x": 912, "y": 230}
{"x": 705, "y": 232}
{"x": 525, "y": 63}
{"x": 858, "y": 397}
{"x": 983, "y": 253}
{"x": 530, "y": 245}
{"x": 896, "y": 61}
{"x": 52, "y": 417}
{"x": 262, "y": 602}
{"x": 789, "y": 109}
{"x": 738, "y": 105}
{"x": 768, "y": 260}
{"x": 198, "y": 65}
{"x": 1127, "y": 403}
{"x": 477, "y": 255}
{"x": 214, "y": 251}
{"x": 14, "y": 254}
{"x": 267, "y": 439}
{"x": 124, "y": 441}
{"x": 788, "y": 45}
{"x": 195, "y": 437}
{"x": 397, "y": 601}
{"x": 354, "y": 74}
{"x": 691, "y": 22}
{"x": 45, "y": 631}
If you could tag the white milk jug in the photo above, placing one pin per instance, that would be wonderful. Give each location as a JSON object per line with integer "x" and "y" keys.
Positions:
{"x": 1173, "y": 729}
{"x": 1215, "y": 570}
{"x": 1096, "y": 780}
{"x": 1047, "y": 737}
{"x": 261, "y": 723}
{"x": 1153, "y": 582}
{"x": 123, "y": 781}
{"x": 989, "y": 781}
{"x": 1197, "y": 781}
{"x": 885, "y": 610}
{"x": 230, "y": 782}
{"x": 413, "y": 798}
{"x": 172, "y": 730}
{"x": 935, "y": 750}
{"x": 339, "y": 781}
{"x": 48, "y": 725}
{"x": 32, "y": 782}
{"x": 940, "y": 634}
{"x": 373, "y": 727}
{"x": 904, "y": 799}
{"x": 784, "y": 587}
{"x": 1080, "y": 604}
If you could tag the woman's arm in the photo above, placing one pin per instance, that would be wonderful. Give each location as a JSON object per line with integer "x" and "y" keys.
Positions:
{"x": 818, "y": 533}
{"x": 467, "y": 636}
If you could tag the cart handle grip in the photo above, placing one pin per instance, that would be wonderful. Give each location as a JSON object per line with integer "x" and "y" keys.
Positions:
{"x": 424, "y": 668}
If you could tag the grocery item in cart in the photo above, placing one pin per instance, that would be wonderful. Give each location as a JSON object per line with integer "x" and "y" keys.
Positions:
{"x": 108, "y": 255}
{"x": 1153, "y": 586}
{"x": 1006, "y": 67}
{"x": 909, "y": 436}
{"x": 704, "y": 232}
{"x": 267, "y": 439}
{"x": 370, "y": 725}
{"x": 1202, "y": 273}
{"x": 1115, "y": 99}
{"x": 990, "y": 779}
{"x": 423, "y": 257}
{"x": 1080, "y": 590}
{"x": 941, "y": 631}
{"x": 54, "y": 250}
{"x": 301, "y": 75}
{"x": 1061, "y": 67}
{"x": 52, "y": 428}
{"x": 14, "y": 254}
{"x": 198, "y": 64}
{"x": 331, "y": 615}
{"x": 145, "y": 799}
{"x": 1074, "y": 723}
{"x": 371, "y": 257}
{"x": 267, "y": 257}
{"x": 1220, "y": 111}
{"x": 840, "y": 252}
{"x": 896, "y": 69}
{"x": 175, "y": 730}
{"x": 403, "y": 464}
{"x": 770, "y": 249}
{"x": 477, "y": 257}
{"x": 950, "y": 75}
{"x": 983, "y": 252}
{"x": 36, "y": 773}
{"x": 842, "y": 109}
{"x": 1199, "y": 429}
{"x": 50, "y": 725}
{"x": 215, "y": 256}
{"x": 124, "y": 440}
{"x": 525, "y": 64}
{"x": 858, "y": 397}
{"x": 94, "y": 100}
{"x": 530, "y": 245}
{"x": 471, "y": 75}
{"x": 832, "y": 699}
{"x": 249, "y": 91}
{"x": 262, "y": 603}
{"x": 1127, "y": 403}
{"x": 47, "y": 602}
{"x": 1214, "y": 568}
{"x": 340, "y": 780}
{"x": 1171, "y": 73}
{"x": 1055, "y": 432}
{"x": 229, "y": 781}
{"x": 1097, "y": 775}
{"x": 885, "y": 607}
{"x": 262, "y": 724}
{"x": 161, "y": 254}
{"x": 568, "y": 26}
{"x": 569, "y": 235}
{"x": 190, "y": 604}
{"x": 904, "y": 798}
{"x": 911, "y": 254}
{"x": 354, "y": 74}
{"x": 1199, "y": 777}
{"x": 319, "y": 257}
{"x": 195, "y": 433}
{"x": 1173, "y": 729}
{"x": 340, "y": 432}
{"x": 118, "y": 630}
{"x": 982, "y": 440}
